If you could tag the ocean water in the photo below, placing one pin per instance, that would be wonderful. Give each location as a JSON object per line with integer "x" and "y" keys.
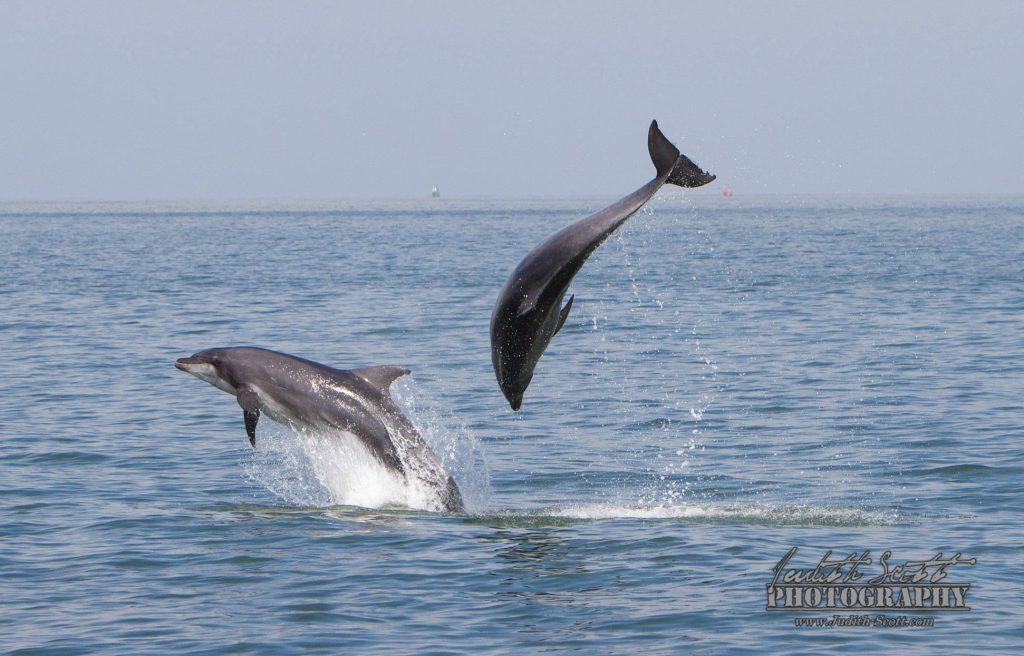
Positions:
{"x": 737, "y": 377}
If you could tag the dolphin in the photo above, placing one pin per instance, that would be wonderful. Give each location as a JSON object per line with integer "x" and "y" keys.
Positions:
{"x": 529, "y": 310}
{"x": 304, "y": 394}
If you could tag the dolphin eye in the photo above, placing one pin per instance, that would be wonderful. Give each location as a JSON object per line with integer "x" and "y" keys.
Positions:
{"x": 217, "y": 360}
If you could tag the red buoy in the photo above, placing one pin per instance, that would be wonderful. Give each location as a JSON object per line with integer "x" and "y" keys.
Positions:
{"x": 727, "y": 192}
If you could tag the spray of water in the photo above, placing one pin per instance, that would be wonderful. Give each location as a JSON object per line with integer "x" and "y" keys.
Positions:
{"x": 459, "y": 451}
{"x": 683, "y": 399}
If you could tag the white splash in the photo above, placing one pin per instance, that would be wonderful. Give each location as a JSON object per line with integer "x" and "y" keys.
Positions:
{"x": 310, "y": 468}
{"x": 332, "y": 468}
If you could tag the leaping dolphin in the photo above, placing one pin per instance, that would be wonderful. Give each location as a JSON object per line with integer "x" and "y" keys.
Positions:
{"x": 305, "y": 394}
{"x": 529, "y": 310}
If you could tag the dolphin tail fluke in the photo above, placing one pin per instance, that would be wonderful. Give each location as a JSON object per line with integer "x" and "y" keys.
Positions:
{"x": 679, "y": 169}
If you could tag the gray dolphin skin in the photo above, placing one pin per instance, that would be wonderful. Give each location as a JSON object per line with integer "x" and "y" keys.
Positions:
{"x": 305, "y": 394}
{"x": 529, "y": 310}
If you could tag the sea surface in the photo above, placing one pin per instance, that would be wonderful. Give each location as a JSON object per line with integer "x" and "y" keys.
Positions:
{"x": 737, "y": 377}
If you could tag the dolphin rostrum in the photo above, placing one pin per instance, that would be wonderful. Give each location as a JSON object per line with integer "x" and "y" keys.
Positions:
{"x": 304, "y": 394}
{"x": 529, "y": 310}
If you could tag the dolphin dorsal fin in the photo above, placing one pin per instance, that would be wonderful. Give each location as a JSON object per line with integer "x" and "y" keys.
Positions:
{"x": 564, "y": 315}
{"x": 381, "y": 376}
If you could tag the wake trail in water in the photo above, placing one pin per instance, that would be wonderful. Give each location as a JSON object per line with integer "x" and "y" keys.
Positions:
{"x": 763, "y": 514}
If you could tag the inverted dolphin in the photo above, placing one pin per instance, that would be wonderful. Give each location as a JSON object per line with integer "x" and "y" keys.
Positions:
{"x": 529, "y": 310}
{"x": 304, "y": 394}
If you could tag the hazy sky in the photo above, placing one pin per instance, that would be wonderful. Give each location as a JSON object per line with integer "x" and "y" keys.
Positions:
{"x": 330, "y": 100}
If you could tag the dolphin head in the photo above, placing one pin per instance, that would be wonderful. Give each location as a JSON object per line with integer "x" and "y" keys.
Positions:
{"x": 212, "y": 365}
{"x": 514, "y": 361}
{"x": 520, "y": 332}
{"x": 514, "y": 395}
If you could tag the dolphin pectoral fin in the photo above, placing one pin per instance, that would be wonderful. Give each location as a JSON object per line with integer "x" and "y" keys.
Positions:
{"x": 528, "y": 305}
{"x": 382, "y": 376}
{"x": 678, "y": 169}
{"x": 564, "y": 315}
{"x": 251, "y": 417}
{"x": 250, "y": 411}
